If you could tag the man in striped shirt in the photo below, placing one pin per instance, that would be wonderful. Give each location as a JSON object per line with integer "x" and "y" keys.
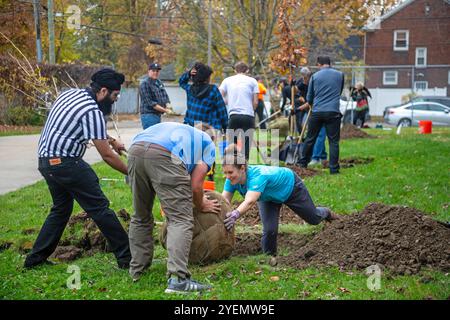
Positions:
{"x": 76, "y": 118}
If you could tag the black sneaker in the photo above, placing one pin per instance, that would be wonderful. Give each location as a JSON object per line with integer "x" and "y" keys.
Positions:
{"x": 123, "y": 264}
{"x": 184, "y": 286}
{"x": 32, "y": 264}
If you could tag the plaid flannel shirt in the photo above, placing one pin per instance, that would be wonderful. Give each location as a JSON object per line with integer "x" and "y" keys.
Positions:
{"x": 210, "y": 110}
{"x": 152, "y": 92}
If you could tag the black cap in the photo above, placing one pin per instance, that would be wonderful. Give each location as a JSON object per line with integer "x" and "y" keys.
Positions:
{"x": 154, "y": 66}
{"x": 108, "y": 78}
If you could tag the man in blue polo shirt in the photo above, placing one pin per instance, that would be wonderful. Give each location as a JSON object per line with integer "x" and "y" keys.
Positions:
{"x": 169, "y": 160}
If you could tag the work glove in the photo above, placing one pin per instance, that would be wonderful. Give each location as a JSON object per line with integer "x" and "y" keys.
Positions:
{"x": 230, "y": 219}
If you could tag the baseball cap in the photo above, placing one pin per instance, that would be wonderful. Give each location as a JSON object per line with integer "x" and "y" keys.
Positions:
{"x": 154, "y": 66}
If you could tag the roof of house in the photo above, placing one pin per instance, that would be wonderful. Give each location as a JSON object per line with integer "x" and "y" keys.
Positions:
{"x": 375, "y": 24}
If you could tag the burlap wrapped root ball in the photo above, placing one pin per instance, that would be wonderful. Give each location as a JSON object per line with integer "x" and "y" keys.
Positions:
{"x": 211, "y": 242}
{"x": 282, "y": 124}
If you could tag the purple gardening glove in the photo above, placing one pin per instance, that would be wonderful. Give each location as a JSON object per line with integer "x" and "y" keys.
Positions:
{"x": 231, "y": 218}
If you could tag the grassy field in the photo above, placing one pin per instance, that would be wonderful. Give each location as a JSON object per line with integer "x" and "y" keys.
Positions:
{"x": 18, "y": 130}
{"x": 409, "y": 169}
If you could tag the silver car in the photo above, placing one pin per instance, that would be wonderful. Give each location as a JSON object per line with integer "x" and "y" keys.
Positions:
{"x": 413, "y": 112}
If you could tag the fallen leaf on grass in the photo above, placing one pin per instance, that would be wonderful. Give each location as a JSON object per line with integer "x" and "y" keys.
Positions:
{"x": 258, "y": 272}
{"x": 344, "y": 290}
{"x": 275, "y": 278}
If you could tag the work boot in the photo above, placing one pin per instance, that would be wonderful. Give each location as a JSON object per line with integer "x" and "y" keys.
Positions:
{"x": 183, "y": 286}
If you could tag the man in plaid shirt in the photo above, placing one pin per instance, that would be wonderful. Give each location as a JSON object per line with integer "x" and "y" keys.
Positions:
{"x": 154, "y": 98}
{"x": 204, "y": 101}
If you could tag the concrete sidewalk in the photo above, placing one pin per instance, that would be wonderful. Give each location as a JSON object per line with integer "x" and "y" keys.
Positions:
{"x": 18, "y": 158}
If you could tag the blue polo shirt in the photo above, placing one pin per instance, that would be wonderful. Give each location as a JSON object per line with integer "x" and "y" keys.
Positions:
{"x": 188, "y": 144}
{"x": 274, "y": 183}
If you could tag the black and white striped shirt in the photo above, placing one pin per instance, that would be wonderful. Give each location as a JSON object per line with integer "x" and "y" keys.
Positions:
{"x": 73, "y": 120}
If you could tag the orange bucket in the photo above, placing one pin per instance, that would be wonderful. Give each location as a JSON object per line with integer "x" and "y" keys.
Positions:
{"x": 425, "y": 126}
{"x": 209, "y": 185}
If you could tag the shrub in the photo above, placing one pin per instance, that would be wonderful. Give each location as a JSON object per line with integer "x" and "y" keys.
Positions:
{"x": 23, "y": 116}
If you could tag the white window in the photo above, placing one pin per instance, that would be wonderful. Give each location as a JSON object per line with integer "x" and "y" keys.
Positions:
{"x": 421, "y": 85}
{"x": 421, "y": 57}
{"x": 401, "y": 40}
{"x": 390, "y": 77}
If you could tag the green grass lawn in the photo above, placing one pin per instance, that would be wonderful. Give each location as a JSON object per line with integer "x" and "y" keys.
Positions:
{"x": 409, "y": 169}
{"x": 18, "y": 130}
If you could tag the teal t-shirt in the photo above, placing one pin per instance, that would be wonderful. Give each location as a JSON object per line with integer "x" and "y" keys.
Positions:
{"x": 274, "y": 183}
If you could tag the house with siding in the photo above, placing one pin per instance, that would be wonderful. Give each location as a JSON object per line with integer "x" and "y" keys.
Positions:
{"x": 408, "y": 50}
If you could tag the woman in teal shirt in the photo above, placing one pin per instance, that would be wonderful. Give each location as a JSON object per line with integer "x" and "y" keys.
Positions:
{"x": 270, "y": 187}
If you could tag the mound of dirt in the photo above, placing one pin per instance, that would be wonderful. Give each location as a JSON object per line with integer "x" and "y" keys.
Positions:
{"x": 303, "y": 172}
{"x": 84, "y": 238}
{"x": 250, "y": 243}
{"x": 349, "y": 131}
{"x": 251, "y": 217}
{"x": 400, "y": 239}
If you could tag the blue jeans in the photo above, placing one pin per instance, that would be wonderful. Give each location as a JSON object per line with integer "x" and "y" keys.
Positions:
{"x": 300, "y": 202}
{"x": 150, "y": 119}
{"x": 319, "y": 152}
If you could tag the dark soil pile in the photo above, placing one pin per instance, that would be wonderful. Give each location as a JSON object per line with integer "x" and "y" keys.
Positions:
{"x": 349, "y": 131}
{"x": 303, "y": 172}
{"x": 250, "y": 243}
{"x": 400, "y": 239}
{"x": 251, "y": 217}
{"x": 350, "y": 162}
{"x": 84, "y": 238}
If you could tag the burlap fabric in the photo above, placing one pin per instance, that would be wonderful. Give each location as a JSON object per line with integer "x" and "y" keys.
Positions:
{"x": 211, "y": 242}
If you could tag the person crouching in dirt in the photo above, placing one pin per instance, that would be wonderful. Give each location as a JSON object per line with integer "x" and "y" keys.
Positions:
{"x": 270, "y": 187}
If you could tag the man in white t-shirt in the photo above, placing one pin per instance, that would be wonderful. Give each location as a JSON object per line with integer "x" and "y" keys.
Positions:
{"x": 240, "y": 93}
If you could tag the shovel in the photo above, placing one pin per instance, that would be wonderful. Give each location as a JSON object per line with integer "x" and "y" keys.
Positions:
{"x": 299, "y": 147}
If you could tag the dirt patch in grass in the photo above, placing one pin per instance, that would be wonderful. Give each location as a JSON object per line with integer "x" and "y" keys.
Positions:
{"x": 250, "y": 243}
{"x": 350, "y": 162}
{"x": 304, "y": 172}
{"x": 400, "y": 239}
{"x": 5, "y": 245}
{"x": 83, "y": 238}
{"x": 251, "y": 217}
{"x": 349, "y": 131}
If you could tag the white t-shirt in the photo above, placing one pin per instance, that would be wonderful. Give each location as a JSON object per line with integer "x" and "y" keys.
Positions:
{"x": 239, "y": 91}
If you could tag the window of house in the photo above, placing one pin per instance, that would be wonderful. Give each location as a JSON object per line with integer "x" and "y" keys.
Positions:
{"x": 448, "y": 76}
{"x": 421, "y": 85}
{"x": 401, "y": 40}
{"x": 421, "y": 57}
{"x": 390, "y": 77}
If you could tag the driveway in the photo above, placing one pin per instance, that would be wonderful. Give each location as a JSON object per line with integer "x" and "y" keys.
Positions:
{"x": 18, "y": 156}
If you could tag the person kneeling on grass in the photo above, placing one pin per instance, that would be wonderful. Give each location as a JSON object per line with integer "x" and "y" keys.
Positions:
{"x": 270, "y": 187}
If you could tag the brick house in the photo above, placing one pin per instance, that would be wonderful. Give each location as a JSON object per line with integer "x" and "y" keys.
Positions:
{"x": 407, "y": 49}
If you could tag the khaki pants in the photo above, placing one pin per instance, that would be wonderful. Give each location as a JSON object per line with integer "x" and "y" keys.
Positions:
{"x": 153, "y": 172}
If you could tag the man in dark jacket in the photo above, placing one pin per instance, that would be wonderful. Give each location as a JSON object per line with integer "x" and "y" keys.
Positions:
{"x": 324, "y": 91}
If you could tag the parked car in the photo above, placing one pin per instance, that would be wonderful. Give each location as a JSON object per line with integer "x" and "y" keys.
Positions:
{"x": 439, "y": 99}
{"x": 411, "y": 113}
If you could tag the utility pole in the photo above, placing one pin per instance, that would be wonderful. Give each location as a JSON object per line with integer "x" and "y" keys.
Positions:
{"x": 209, "y": 32}
{"x": 51, "y": 33}
{"x": 37, "y": 25}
